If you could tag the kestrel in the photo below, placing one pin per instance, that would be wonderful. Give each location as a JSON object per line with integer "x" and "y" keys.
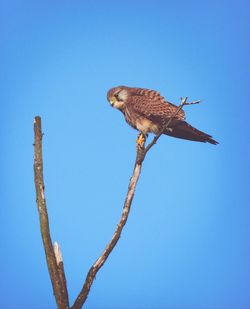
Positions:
{"x": 147, "y": 111}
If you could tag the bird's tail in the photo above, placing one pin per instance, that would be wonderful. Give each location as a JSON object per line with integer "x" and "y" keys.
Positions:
{"x": 182, "y": 129}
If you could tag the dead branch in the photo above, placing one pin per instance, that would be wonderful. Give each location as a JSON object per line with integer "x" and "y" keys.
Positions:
{"x": 60, "y": 296}
{"x": 141, "y": 152}
{"x": 101, "y": 260}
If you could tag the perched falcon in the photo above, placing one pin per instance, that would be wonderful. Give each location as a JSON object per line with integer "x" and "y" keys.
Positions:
{"x": 147, "y": 111}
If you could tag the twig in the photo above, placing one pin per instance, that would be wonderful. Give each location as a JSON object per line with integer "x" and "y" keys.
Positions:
{"x": 61, "y": 300}
{"x": 155, "y": 139}
{"x": 142, "y": 152}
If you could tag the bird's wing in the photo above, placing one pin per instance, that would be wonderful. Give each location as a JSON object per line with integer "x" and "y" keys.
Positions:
{"x": 151, "y": 105}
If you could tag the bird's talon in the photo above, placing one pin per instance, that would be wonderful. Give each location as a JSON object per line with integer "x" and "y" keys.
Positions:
{"x": 140, "y": 140}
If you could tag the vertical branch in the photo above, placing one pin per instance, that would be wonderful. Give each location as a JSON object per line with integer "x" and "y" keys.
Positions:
{"x": 43, "y": 216}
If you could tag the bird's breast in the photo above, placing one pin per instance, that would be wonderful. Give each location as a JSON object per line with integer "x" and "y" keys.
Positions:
{"x": 144, "y": 125}
{"x": 140, "y": 123}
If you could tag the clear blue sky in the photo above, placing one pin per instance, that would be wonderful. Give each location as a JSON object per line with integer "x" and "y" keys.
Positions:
{"x": 186, "y": 243}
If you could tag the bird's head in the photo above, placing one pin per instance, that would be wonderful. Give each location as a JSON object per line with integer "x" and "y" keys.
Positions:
{"x": 117, "y": 96}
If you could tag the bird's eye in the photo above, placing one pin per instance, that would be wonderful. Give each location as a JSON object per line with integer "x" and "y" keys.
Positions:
{"x": 116, "y": 95}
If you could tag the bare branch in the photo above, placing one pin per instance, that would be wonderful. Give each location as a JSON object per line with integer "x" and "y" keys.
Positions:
{"x": 44, "y": 220}
{"x": 141, "y": 152}
{"x": 101, "y": 260}
{"x": 183, "y": 102}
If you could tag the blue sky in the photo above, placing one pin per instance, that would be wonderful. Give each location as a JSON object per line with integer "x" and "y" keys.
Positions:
{"x": 186, "y": 243}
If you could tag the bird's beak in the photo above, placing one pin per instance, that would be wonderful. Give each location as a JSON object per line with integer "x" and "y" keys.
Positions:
{"x": 112, "y": 100}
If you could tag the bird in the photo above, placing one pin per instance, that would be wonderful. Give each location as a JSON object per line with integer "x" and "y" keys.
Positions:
{"x": 148, "y": 112}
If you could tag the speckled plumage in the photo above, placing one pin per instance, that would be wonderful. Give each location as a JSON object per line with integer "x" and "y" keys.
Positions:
{"x": 147, "y": 111}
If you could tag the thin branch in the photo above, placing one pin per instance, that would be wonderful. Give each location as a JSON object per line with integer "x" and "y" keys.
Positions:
{"x": 141, "y": 152}
{"x": 61, "y": 300}
{"x": 155, "y": 139}
{"x": 101, "y": 260}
